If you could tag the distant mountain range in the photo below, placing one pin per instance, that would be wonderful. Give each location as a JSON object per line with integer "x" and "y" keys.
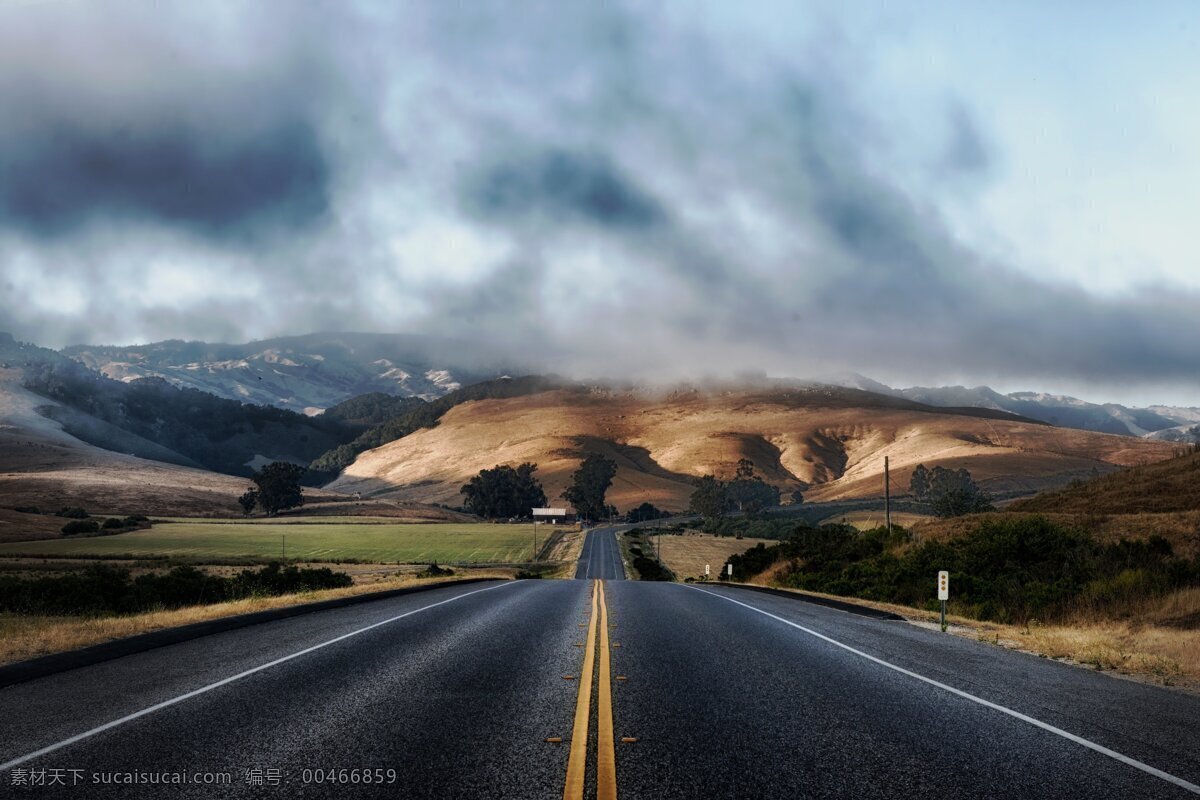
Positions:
{"x": 1165, "y": 423}
{"x": 319, "y": 370}
{"x": 161, "y": 411}
{"x": 303, "y": 373}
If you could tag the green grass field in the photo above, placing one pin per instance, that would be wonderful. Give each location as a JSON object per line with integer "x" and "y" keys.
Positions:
{"x": 398, "y": 543}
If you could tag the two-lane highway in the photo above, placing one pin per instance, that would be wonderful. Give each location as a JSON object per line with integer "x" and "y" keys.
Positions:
{"x": 601, "y": 555}
{"x": 594, "y": 688}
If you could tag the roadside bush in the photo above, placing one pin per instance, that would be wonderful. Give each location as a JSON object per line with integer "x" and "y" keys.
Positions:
{"x": 434, "y": 571}
{"x": 73, "y": 513}
{"x": 648, "y": 569}
{"x": 1007, "y": 570}
{"x": 113, "y": 523}
{"x": 103, "y": 589}
{"x": 752, "y": 562}
{"x": 78, "y": 526}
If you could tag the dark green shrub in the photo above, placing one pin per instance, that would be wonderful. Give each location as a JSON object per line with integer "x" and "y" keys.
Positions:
{"x": 101, "y": 589}
{"x": 1007, "y": 570}
{"x": 78, "y": 526}
{"x": 649, "y": 569}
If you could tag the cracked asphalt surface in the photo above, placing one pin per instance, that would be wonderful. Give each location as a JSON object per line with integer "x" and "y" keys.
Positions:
{"x": 457, "y": 688}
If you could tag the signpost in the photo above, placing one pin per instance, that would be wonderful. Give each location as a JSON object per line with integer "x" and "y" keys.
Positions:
{"x": 729, "y": 571}
{"x": 943, "y": 587}
{"x": 706, "y": 572}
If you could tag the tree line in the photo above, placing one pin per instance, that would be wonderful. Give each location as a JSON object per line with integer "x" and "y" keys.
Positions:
{"x": 506, "y": 492}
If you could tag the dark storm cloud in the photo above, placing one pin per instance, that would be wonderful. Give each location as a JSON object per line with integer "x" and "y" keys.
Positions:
{"x": 559, "y": 186}
{"x": 648, "y": 198}
{"x": 217, "y": 183}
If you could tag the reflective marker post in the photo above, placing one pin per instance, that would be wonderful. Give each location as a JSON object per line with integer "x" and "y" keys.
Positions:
{"x": 943, "y": 587}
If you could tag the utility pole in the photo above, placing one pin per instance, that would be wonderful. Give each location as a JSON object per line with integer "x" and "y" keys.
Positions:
{"x": 887, "y": 494}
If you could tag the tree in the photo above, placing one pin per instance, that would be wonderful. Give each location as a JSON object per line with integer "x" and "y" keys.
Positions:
{"x": 248, "y": 501}
{"x": 710, "y": 499}
{"x": 588, "y": 486}
{"x": 947, "y": 492}
{"x": 278, "y": 487}
{"x": 918, "y": 484}
{"x": 503, "y": 492}
{"x": 748, "y": 492}
{"x": 645, "y": 513}
{"x": 797, "y": 497}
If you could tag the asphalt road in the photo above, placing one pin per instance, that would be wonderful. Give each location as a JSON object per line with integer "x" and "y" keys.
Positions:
{"x": 601, "y": 556}
{"x": 728, "y": 693}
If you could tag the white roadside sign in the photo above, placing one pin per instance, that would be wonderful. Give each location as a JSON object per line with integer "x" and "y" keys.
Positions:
{"x": 943, "y": 585}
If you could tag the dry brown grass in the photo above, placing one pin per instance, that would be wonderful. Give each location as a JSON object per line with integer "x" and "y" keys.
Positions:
{"x": 23, "y": 637}
{"x": 568, "y": 547}
{"x": 686, "y": 555}
{"x": 1152, "y": 647}
{"x": 825, "y": 445}
{"x": 868, "y": 520}
{"x": 1165, "y": 486}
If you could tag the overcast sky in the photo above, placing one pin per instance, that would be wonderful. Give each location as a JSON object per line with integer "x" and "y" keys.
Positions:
{"x": 922, "y": 192}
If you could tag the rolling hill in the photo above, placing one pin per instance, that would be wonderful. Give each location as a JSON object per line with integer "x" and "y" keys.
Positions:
{"x": 41, "y": 465}
{"x": 1162, "y": 487}
{"x": 828, "y": 442}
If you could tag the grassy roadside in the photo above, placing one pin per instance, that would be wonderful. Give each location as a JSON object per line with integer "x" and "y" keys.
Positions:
{"x": 400, "y": 543}
{"x": 25, "y": 637}
{"x": 1146, "y": 650}
{"x": 565, "y": 554}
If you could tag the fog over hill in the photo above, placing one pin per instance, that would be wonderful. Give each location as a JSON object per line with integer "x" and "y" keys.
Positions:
{"x": 1167, "y": 423}
{"x": 303, "y": 373}
{"x": 315, "y": 371}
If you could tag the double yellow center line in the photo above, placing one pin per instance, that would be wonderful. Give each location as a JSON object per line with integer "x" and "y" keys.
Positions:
{"x": 606, "y": 760}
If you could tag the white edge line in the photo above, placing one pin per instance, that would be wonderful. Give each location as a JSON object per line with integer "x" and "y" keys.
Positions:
{"x": 188, "y": 695}
{"x": 1124, "y": 759}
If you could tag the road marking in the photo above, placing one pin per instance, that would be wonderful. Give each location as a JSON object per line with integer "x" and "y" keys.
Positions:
{"x": 1113, "y": 754}
{"x": 606, "y": 759}
{"x": 224, "y": 681}
{"x": 577, "y": 761}
{"x": 589, "y": 543}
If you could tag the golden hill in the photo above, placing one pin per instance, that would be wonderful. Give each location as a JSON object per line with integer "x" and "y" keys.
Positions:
{"x": 828, "y": 443}
{"x": 1166, "y": 486}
